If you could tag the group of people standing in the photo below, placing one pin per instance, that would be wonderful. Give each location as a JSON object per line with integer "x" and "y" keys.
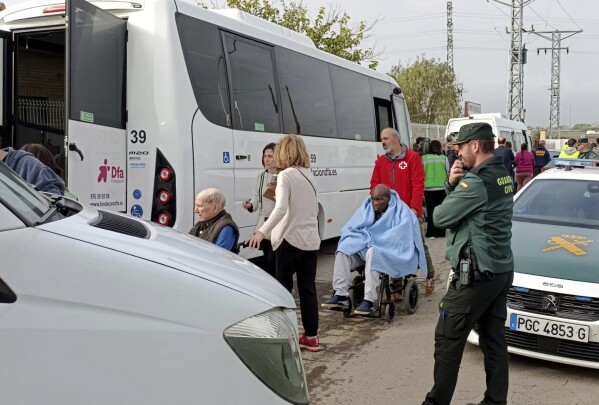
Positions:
{"x": 476, "y": 211}
{"x": 578, "y": 149}
{"x": 287, "y": 228}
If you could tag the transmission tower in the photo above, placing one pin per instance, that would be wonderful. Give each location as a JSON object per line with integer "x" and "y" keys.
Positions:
{"x": 515, "y": 106}
{"x": 556, "y": 48}
{"x": 450, "y": 34}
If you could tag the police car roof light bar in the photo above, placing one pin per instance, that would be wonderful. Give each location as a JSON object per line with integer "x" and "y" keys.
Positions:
{"x": 581, "y": 163}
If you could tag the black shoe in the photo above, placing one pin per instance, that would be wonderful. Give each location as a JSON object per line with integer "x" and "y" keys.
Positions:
{"x": 336, "y": 302}
{"x": 365, "y": 308}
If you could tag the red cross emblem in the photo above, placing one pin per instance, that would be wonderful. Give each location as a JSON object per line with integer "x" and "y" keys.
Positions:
{"x": 403, "y": 165}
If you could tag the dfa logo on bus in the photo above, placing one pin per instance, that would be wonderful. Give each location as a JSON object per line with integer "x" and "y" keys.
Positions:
{"x": 115, "y": 173}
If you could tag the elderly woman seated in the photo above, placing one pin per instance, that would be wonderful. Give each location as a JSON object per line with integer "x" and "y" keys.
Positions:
{"x": 216, "y": 225}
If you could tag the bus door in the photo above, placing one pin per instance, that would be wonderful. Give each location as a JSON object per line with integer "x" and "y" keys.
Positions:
{"x": 5, "y": 89}
{"x": 255, "y": 111}
{"x": 96, "y": 139}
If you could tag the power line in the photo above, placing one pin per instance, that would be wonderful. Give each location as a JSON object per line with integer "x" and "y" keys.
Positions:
{"x": 439, "y": 48}
{"x": 565, "y": 11}
{"x": 542, "y": 18}
{"x": 427, "y": 33}
{"x": 414, "y": 18}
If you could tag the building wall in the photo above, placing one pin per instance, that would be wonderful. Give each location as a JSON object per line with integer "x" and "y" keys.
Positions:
{"x": 41, "y": 74}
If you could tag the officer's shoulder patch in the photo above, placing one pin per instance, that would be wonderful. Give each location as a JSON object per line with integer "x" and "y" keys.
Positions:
{"x": 463, "y": 184}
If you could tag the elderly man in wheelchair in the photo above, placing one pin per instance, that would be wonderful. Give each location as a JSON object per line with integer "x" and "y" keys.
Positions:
{"x": 383, "y": 235}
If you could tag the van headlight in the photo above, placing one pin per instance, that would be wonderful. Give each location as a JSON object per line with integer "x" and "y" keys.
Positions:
{"x": 267, "y": 344}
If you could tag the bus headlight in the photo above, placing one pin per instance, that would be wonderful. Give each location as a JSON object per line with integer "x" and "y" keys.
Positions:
{"x": 267, "y": 344}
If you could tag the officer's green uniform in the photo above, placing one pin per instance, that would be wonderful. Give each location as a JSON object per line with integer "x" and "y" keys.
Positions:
{"x": 478, "y": 213}
{"x": 588, "y": 154}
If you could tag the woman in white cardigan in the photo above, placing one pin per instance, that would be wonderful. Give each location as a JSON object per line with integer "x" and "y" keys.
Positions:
{"x": 263, "y": 202}
{"x": 293, "y": 226}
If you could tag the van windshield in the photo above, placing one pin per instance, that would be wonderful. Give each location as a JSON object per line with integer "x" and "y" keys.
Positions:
{"x": 20, "y": 197}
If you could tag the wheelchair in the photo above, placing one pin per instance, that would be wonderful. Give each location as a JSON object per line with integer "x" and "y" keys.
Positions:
{"x": 404, "y": 290}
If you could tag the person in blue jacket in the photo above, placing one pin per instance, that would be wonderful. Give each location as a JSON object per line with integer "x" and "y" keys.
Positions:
{"x": 542, "y": 157}
{"x": 32, "y": 170}
{"x": 215, "y": 225}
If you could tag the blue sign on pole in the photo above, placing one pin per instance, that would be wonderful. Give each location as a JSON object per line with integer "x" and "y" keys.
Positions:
{"x": 226, "y": 157}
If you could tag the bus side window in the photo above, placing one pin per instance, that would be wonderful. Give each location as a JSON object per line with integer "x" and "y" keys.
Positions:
{"x": 255, "y": 97}
{"x": 306, "y": 95}
{"x": 353, "y": 105}
{"x": 384, "y": 118}
{"x": 403, "y": 120}
{"x": 205, "y": 61}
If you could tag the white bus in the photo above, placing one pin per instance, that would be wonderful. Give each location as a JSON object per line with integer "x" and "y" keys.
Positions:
{"x": 149, "y": 102}
{"x": 514, "y": 132}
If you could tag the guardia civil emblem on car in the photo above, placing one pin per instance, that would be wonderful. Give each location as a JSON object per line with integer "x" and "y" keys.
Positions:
{"x": 571, "y": 243}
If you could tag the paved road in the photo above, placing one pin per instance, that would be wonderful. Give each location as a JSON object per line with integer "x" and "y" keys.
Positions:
{"x": 371, "y": 361}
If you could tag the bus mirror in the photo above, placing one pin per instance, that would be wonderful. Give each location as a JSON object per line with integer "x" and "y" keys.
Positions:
{"x": 396, "y": 91}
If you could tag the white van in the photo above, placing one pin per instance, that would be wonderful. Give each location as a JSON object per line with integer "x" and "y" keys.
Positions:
{"x": 101, "y": 308}
{"x": 514, "y": 132}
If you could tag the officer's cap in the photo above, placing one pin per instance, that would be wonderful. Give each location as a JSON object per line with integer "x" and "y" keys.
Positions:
{"x": 479, "y": 131}
{"x": 584, "y": 139}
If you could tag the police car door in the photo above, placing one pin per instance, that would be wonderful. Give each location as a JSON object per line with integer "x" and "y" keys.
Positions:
{"x": 96, "y": 134}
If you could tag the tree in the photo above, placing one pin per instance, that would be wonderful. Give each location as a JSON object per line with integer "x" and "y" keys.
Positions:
{"x": 331, "y": 30}
{"x": 432, "y": 95}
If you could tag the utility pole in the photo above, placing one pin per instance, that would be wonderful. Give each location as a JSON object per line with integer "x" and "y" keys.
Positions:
{"x": 556, "y": 48}
{"x": 515, "y": 106}
{"x": 450, "y": 34}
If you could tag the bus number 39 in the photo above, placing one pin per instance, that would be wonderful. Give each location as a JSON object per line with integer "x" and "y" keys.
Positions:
{"x": 313, "y": 158}
{"x": 138, "y": 136}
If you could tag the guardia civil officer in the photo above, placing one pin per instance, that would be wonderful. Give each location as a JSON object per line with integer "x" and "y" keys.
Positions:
{"x": 478, "y": 213}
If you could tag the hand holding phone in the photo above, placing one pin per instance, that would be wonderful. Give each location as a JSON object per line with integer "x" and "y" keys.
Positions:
{"x": 456, "y": 172}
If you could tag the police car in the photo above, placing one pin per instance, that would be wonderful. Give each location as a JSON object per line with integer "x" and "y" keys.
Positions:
{"x": 553, "y": 305}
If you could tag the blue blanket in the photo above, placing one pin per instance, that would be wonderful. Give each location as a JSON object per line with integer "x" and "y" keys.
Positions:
{"x": 395, "y": 238}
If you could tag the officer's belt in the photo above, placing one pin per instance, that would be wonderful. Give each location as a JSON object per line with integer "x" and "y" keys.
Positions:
{"x": 485, "y": 275}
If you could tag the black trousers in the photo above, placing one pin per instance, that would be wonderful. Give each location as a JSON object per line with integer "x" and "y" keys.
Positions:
{"x": 291, "y": 260}
{"x": 483, "y": 302}
{"x": 267, "y": 261}
{"x": 433, "y": 199}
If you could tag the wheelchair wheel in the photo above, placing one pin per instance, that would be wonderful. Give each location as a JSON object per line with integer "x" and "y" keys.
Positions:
{"x": 390, "y": 311}
{"x": 410, "y": 296}
{"x": 356, "y": 291}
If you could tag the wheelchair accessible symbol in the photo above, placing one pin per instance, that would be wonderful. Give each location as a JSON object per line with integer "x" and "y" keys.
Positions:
{"x": 137, "y": 211}
{"x": 226, "y": 157}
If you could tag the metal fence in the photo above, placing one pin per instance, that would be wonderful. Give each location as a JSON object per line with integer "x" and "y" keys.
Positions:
{"x": 431, "y": 131}
{"x": 47, "y": 113}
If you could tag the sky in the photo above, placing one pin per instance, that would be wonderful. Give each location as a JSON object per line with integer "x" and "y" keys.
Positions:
{"x": 405, "y": 29}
